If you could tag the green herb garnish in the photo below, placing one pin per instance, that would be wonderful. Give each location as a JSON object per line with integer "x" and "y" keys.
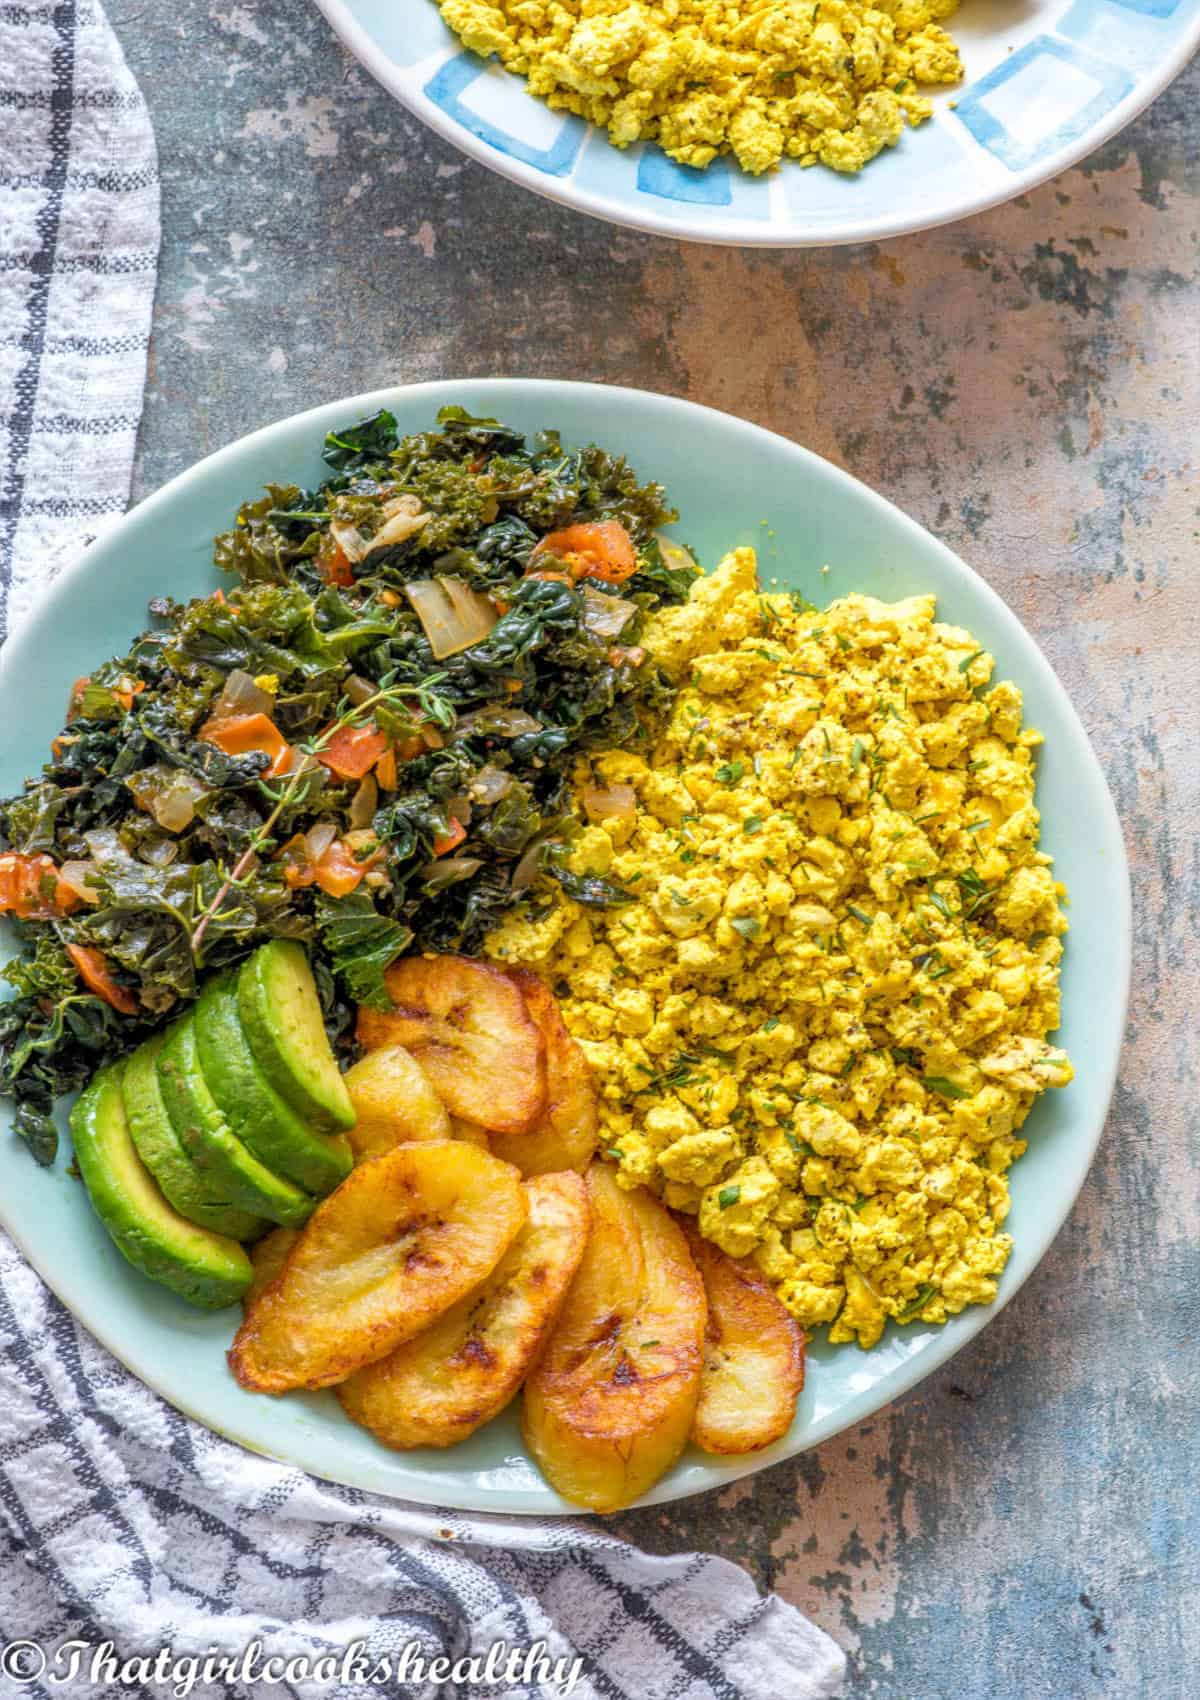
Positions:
{"x": 943, "y": 1087}
{"x": 917, "y": 1303}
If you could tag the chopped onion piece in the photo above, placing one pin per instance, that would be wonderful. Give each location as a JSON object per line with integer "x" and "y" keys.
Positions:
{"x": 175, "y": 810}
{"x": 159, "y": 854}
{"x": 403, "y": 520}
{"x": 167, "y": 793}
{"x": 318, "y": 839}
{"x": 349, "y": 539}
{"x": 359, "y": 690}
{"x": 75, "y": 876}
{"x": 449, "y": 870}
{"x": 489, "y": 785}
{"x": 242, "y": 696}
{"x": 676, "y": 555}
{"x": 364, "y": 802}
{"x": 526, "y": 869}
{"x": 452, "y": 614}
{"x": 606, "y": 616}
{"x": 619, "y": 802}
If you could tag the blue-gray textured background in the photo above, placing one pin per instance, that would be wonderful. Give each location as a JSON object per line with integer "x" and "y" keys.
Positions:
{"x": 1027, "y": 384}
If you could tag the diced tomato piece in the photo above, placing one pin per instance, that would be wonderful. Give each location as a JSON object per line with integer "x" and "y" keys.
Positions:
{"x": 243, "y": 733}
{"x": 352, "y": 751}
{"x": 451, "y": 839}
{"x": 127, "y": 690}
{"x": 30, "y": 888}
{"x": 599, "y": 549}
{"x": 337, "y": 873}
{"x": 626, "y": 657}
{"x": 95, "y": 974}
{"x": 333, "y": 563}
{"x": 75, "y": 700}
{"x": 423, "y": 738}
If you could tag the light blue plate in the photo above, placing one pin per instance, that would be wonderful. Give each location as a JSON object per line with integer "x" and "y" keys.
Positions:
{"x": 726, "y": 477}
{"x": 1045, "y": 83}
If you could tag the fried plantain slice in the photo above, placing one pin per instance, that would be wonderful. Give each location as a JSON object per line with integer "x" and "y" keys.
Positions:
{"x": 394, "y": 1102}
{"x": 267, "y": 1258}
{"x": 467, "y": 1025}
{"x": 609, "y": 1404}
{"x": 564, "y": 1136}
{"x": 753, "y": 1355}
{"x": 404, "y": 1237}
{"x": 440, "y": 1387}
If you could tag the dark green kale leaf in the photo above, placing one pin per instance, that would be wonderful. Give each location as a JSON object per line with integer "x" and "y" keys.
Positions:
{"x": 483, "y": 435}
{"x": 656, "y": 576}
{"x": 260, "y": 549}
{"x": 29, "y": 821}
{"x": 368, "y": 443}
{"x": 361, "y": 944}
{"x": 53, "y": 1036}
{"x": 36, "y": 1127}
{"x": 597, "y": 893}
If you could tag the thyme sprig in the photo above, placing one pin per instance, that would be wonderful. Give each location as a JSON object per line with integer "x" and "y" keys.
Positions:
{"x": 433, "y": 707}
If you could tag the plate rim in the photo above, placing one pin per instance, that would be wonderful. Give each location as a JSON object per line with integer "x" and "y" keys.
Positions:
{"x": 943, "y": 1344}
{"x": 750, "y": 233}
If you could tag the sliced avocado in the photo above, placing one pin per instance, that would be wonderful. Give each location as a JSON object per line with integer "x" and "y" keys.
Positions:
{"x": 281, "y": 1016}
{"x": 187, "y": 1188}
{"x": 257, "y": 1114}
{"x": 211, "y": 1143}
{"x": 205, "y": 1268}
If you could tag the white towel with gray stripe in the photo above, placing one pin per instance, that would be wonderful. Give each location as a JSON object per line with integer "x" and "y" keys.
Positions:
{"x": 78, "y": 251}
{"x": 139, "y": 1553}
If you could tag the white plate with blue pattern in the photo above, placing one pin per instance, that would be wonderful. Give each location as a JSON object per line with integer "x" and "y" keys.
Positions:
{"x": 1046, "y": 82}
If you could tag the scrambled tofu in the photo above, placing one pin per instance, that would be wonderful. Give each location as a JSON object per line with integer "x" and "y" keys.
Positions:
{"x": 820, "y": 1019}
{"x": 833, "y": 82}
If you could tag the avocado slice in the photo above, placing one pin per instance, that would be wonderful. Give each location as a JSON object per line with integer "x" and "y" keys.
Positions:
{"x": 256, "y": 1113}
{"x": 211, "y": 1143}
{"x": 186, "y": 1187}
{"x": 281, "y": 1017}
{"x": 204, "y": 1268}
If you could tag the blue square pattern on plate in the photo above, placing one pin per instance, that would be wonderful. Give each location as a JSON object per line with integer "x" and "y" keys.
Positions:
{"x": 1046, "y": 95}
{"x": 1131, "y": 32}
{"x": 478, "y": 95}
{"x": 675, "y": 189}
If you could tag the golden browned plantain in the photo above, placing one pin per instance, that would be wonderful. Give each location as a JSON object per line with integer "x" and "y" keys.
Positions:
{"x": 564, "y": 1136}
{"x": 753, "y": 1355}
{"x": 467, "y": 1025}
{"x": 267, "y": 1258}
{"x": 404, "y": 1237}
{"x": 440, "y": 1387}
{"x": 394, "y": 1101}
{"x": 609, "y": 1404}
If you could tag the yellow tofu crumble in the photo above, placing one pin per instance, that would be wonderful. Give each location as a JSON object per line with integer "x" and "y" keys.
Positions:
{"x": 820, "y": 1019}
{"x": 830, "y": 83}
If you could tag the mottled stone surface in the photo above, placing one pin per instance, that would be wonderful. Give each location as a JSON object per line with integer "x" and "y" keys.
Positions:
{"x": 1023, "y": 1526}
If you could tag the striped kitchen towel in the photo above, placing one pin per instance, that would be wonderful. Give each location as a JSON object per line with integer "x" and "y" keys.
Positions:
{"x": 78, "y": 251}
{"x": 141, "y": 1555}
